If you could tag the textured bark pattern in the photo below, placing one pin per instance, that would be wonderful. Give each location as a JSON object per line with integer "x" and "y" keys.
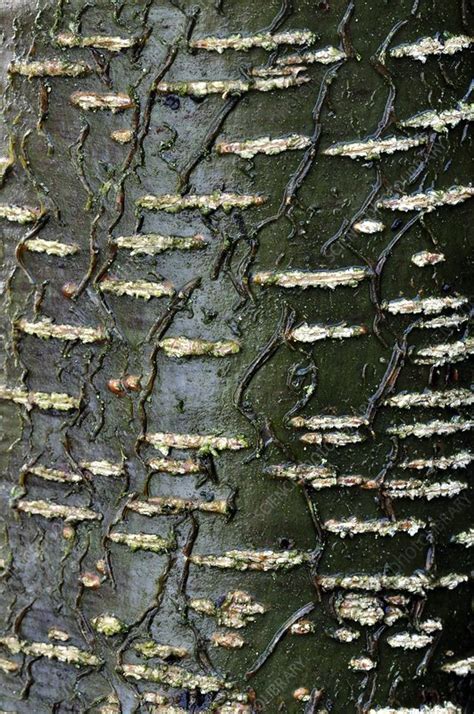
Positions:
{"x": 223, "y": 230}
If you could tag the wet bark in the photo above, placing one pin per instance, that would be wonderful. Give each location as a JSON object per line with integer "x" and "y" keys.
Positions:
{"x": 134, "y": 461}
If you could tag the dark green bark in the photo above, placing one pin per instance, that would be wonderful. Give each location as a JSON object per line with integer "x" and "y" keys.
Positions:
{"x": 67, "y": 164}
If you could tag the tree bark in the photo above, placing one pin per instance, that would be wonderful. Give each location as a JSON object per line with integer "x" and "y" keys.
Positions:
{"x": 236, "y": 357}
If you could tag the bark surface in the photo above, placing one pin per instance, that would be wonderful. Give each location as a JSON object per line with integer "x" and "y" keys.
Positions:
{"x": 235, "y": 387}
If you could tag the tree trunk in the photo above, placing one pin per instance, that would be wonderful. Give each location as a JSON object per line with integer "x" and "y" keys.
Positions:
{"x": 208, "y": 361}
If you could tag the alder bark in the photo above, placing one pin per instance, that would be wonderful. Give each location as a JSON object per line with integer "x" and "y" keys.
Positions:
{"x": 135, "y": 462}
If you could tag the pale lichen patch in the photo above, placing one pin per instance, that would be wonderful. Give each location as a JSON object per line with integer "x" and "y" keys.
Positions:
{"x": 49, "y": 68}
{"x": 449, "y": 398}
{"x": 301, "y": 472}
{"x": 171, "y": 505}
{"x": 187, "y": 347}
{"x": 428, "y": 201}
{"x": 20, "y": 214}
{"x": 444, "y": 321}
{"x": 46, "y": 328}
{"x": 302, "y": 694}
{"x": 318, "y": 279}
{"x": 102, "y": 468}
{"x": 251, "y": 147}
{"x": 227, "y": 640}
{"x": 260, "y": 560}
{"x": 427, "y": 46}
{"x": 202, "y": 442}
{"x": 345, "y": 634}
{"x": 143, "y": 289}
{"x": 332, "y": 438}
{"x": 409, "y": 641}
{"x": 466, "y": 538}
{"x": 43, "y": 400}
{"x": 328, "y": 422}
{"x": 50, "y": 247}
{"x": 266, "y": 40}
{"x": 152, "y": 243}
{"x": 362, "y": 664}
{"x": 383, "y": 527}
{"x": 150, "y": 649}
{"x": 108, "y": 625}
{"x": 441, "y": 121}
{"x": 462, "y": 667}
{"x": 59, "y": 635}
{"x": 363, "y": 609}
{"x": 374, "y": 148}
{"x": 292, "y": 70}
{"x": 420, "y": 489}
{"x": 92, "y": 101}
{"x": 424, "y": 258}
{"x": 235, "y": 611}
{"x": 154, "y": 698}
{"x": 227, "y": 87}
{"x": 445, "y": 353}
{"x": 314, "y": 333}
{"x": 348, "y": 481}
{"x": 417, "y": 583}
{"x": 326, "y": 55}
{"x": 176, "y": 467}
{"x": 174, "y": 676}
{"x": 421, "y": 431}
{"x": 122, "y": 136}
{"x": 318, "y": 477}
{"x": 6, "y": 163}
{"x": 430, "y": 626}
{"x": 303, "y": 627}
{"x": 445, "y": 708}
{"x": 48, "y": 509}
{"x": 53, "y": 474}
{"x": 8, "y": 666}
{"x": 91, "y": 580}
{"x": 205, "y": 203}
{"x": 426, "y": 306}
{"x": 100, "y": 42}
{"x": 368, "y": 226}
{"x": 62, "y": 653}
{"x": 144, "y": 541}
{"x": 234, "y": 708}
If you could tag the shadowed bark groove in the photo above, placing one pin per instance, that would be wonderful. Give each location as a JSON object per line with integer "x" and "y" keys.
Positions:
{"x": 235, "y": 390}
